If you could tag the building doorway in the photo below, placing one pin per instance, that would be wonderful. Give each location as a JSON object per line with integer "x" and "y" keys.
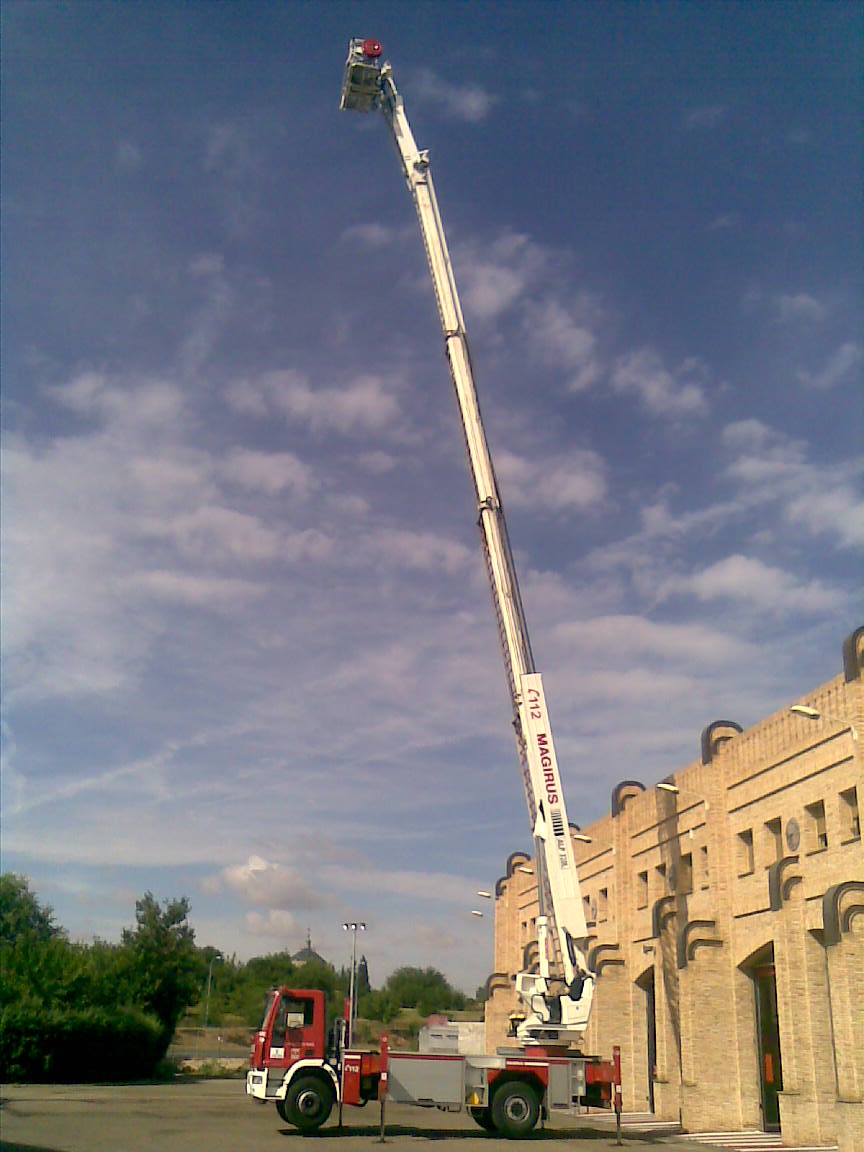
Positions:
{"x": 646, "y": 983}
{"x": 761, "y": 972}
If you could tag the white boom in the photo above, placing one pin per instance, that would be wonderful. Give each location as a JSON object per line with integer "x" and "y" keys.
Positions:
{"x": 552, "y": 1012}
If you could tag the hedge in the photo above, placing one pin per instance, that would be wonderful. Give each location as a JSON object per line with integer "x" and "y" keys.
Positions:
{"x": 57, "y": 1044}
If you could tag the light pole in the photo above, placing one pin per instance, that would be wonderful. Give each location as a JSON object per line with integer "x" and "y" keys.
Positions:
{"x": 353, "y": 927}
{"x": 214, "y": 957}
{"x": 817, "y": 714}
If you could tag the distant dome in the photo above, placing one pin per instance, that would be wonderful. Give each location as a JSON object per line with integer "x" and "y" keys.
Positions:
{"x": 308, "y": 953}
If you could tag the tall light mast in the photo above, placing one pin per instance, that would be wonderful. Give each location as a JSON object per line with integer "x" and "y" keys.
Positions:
{"x": 550, "y": 1014}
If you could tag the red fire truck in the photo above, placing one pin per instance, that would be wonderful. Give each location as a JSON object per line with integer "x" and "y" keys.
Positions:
{"x": 302, "y": 1067}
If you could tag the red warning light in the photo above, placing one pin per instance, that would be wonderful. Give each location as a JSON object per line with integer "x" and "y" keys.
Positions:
{"x": 372, "y": 48}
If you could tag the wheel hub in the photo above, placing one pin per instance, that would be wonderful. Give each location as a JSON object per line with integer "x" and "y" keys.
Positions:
{"x": 309, "y": 1103}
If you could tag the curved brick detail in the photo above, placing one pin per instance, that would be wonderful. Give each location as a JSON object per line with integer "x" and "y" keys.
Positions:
{"x": 779, "y": 882}
{"x": 715, "y": 735}
{"x": 530, "y": 956}
{"x": 853, "y": 655}
{"x": 623, "y": 792}
{"x": 497, "y": 980}
{"x": 663, "y": 911}
{"x": 602, "y": 955}
{"x": 839, "y": 905}
{"x": 513, "y": 861}
{"x": 694, "y": 933}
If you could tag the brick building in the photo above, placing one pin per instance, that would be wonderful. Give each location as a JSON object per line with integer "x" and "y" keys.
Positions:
{"x": 725, "y": 910}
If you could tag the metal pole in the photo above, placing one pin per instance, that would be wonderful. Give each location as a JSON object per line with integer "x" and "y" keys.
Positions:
{"x": 351, "y": 1011}
{"x": 353, "y": 928}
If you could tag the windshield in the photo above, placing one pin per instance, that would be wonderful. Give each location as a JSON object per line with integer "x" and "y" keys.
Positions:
{"x": 271, "y": 996}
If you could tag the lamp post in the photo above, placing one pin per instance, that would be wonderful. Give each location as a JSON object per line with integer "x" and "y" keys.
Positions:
{"x": 811, "y": 713}
{"x": 670, "y": 786}
{"x": 214, "y": 957}
{"x": 353, "y": 926}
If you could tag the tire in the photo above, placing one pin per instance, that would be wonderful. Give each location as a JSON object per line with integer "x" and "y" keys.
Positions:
{"x": 515, "y": 1109}
{"x": 482, "y": 1117}
{"x": 308, "y": 1103}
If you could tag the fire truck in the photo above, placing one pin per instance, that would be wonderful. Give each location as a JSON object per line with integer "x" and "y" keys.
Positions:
{"x": 508, "y": 1092}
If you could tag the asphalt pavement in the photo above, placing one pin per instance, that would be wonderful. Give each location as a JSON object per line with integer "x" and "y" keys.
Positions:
{"x": 217, "y": 1116}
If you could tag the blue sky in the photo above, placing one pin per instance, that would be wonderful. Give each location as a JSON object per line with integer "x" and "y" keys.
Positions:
{"x": 249, "y": 654}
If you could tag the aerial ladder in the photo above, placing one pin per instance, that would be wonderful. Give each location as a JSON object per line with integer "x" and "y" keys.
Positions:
{"x": 556, "y": 991}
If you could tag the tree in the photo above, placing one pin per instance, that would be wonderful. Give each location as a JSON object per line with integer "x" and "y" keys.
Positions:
{"x": 22, "y": 917}
{"x": 425, "y": 989}
{"x": 165, "y": 968}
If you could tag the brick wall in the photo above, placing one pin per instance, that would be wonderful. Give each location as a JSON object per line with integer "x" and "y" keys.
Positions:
{"x": 755, "y": 860}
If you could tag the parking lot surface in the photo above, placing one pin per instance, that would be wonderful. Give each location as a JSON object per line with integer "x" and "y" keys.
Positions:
{"x": 216, "y": 1116}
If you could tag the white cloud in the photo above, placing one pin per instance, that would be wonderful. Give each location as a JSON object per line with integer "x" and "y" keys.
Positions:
{"x": 574, "y": 480}
{"x": 795, "y": 307}
{"x": 841, "y": 365}
{"x": 745, "y": 579}
{"x": 493, "y": 278}
{"x": 372, "y": 235}
{"x": 276, "y": 924}
{"x": 837, "y": 511}
{"x": 770, "y": 466}
{"x": 665, "y": 393}
{"x": 267, "y": 884}
{"x": 364, "y": 404}
{"x": 469, "y": 102}
{"x": 563, "y": 337}
{"x": 194, "y": 591}
{"x": 377, "y": 462}
{"x": 129, "y": 403}
{"x": 706, "y": 116}
{"x": 423, "y": 551}
{"x": 269, "y": 472}
{"x": 642, "y": 637}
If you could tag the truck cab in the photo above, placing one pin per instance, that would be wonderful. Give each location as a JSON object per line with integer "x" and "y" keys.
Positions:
{"x": 301, "y": 1067}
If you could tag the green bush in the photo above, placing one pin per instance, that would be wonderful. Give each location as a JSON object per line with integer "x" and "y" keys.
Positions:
{"x": 39, "y": 1043}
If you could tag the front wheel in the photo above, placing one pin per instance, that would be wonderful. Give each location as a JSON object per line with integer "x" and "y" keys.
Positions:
{"x": 308, "y": 1103}
{"x": 515, "y": 1109}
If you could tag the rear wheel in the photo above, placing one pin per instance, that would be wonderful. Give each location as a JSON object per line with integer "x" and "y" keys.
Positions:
{"x": 482, "y": 1117}
{"x": 515, "y": 1109}
{"x": 307, "y": 1104}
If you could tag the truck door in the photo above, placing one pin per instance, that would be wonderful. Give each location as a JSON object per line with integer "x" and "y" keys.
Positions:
{"x": 298, "y": 1028}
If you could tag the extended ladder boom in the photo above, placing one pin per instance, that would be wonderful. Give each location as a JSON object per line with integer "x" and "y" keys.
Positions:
{"x": 369, "y": 84}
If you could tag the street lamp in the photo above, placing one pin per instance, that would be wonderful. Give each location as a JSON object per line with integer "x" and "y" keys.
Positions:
{"x": 581, "y": 837}
{"x": 811, "y": 713}
{"x": 353, "y": 927}
{"x": 670, "y": 786}
{"x": 215, "y": 956}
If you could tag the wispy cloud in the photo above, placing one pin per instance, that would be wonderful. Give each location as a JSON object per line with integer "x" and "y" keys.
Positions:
{"x": 564, "y": 337}
{"x": 363, "y": 404}
{"x": 679, "y": 392}
{"x": 469, "y": 102}
{"x": 496, "y": 276}
{"x": 841, "y": 366}
{"x": 269, "y": 472}
{"x": 745, "y": 579}
{"x": 706, "y": 116}
{"x": 572, "y": 481}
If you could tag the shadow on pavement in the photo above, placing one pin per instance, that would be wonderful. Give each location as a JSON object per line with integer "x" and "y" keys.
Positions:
{"x": 5, "y": 1146}
{"x": 394, "y": 1131}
